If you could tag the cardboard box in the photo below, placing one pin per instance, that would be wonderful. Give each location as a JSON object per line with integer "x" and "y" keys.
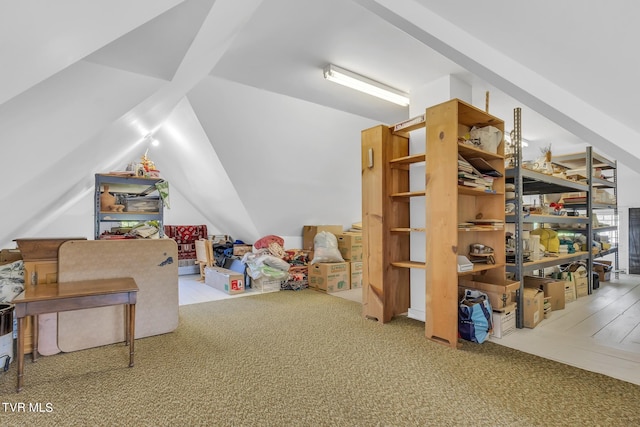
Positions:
{"x": 350, "y": 246}
{"x": 329, "y": 276}
{"x": 552, "y": 289}
{"x": 569, "y": 291}
{"x": 582, "y": 286}
{"x": 239, "y": 249}
{"x": 356, "y": 274}
{"x": 266, "y": 284}
{"x": 500, "y": 292}
{"x": 228, "y": 281}
{"x": 504, "y": 322}
{"x": 143, "y": 204}
{"x": 9, "y": 255}
{"x": 603, "y": 268}
{"x": 533, "y": 307}
{"x": 578, "y": 275}
{"x": 309, "y": 233}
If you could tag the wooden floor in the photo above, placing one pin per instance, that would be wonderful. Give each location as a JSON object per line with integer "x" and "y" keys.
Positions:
{"x": 598, "y": 333}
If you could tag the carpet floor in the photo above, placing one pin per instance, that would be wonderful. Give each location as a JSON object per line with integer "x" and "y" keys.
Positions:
{"x": 303, "y": 358}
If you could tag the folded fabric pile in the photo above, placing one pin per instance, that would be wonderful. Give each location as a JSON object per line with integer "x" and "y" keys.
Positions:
{"x": 11, "y": 280}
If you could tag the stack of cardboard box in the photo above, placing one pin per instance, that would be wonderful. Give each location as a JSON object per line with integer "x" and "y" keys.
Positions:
{"x": 326, "y": 276}
{"x": 350, "y": 245}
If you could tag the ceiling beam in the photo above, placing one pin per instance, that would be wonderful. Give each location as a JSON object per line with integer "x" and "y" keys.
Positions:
{"x": 566, "y": 109}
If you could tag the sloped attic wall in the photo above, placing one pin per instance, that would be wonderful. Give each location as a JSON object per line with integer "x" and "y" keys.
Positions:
{"x": 291, "y": 162}
{"x": 51, "y": 145}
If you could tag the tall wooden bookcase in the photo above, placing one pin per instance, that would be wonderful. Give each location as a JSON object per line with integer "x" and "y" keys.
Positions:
{"x": 387, "y": 222}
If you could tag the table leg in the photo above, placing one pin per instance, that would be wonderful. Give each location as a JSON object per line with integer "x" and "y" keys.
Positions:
{"x": 21, "y": 325}
{"x": 127, "y": 314}
{"x": 34, "y": 353}
{"x": 132, "y": 332}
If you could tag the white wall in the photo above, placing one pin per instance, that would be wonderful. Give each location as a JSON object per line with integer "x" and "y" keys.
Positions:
{"x": 291, "y": 162}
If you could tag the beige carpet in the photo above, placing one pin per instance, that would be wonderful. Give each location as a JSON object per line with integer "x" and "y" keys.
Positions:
{"x": 302, "y": 358}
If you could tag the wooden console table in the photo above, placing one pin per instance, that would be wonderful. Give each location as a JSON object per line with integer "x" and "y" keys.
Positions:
{"x": 57, "y": 297}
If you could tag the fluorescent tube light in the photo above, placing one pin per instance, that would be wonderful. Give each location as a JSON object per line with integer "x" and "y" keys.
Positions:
{"x": 366, "y": 85}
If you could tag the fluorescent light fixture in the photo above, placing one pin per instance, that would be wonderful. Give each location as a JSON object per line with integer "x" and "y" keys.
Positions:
{"x": 366, "y": 85}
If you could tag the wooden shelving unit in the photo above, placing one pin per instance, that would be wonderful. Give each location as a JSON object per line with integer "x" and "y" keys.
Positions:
{"x": 387, "y": 224}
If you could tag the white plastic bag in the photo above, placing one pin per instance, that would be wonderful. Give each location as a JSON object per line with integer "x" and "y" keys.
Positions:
{"x": 325, "y": 248}
{"x": 261, "y": 264}
{"x": 489, "y": 137}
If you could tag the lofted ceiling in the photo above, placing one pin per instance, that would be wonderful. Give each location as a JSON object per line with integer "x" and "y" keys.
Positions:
{"x": 573, "y": 63}
{"x": 80, "y": 80}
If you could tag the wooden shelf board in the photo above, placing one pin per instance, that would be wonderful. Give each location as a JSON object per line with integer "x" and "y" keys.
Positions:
{"x": 408, "y": 194}
{"x": 481, "y": 229}
{"x": 409, "y": 264}
{"x": 605, "y": 229}
{"x": 409, "y": 125}
{"x": 475, "y": 191}
{"x": 605, "y": 253}
{"x": 414, "y": 158}
{"x": 470, "y": 151}
{"x": 550, "y": 261}
{"x": 479, "y": 267}
{"x": 575, "y": 160}
{"x": 534, "y": 183}
{"x": 555, "y": 219}
{"x": 602, "y": 183}
{"x": 594, "y": 205}
{"x": 407, "y": 230}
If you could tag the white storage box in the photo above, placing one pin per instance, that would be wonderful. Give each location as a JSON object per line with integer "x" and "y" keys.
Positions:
{"x": 225, "y": 280}
{"x": 266, "y": 284}
{"x": 504, "y": 322}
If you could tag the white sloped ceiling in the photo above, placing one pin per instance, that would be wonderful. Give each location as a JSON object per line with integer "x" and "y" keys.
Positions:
{"x": 41, "y": 38}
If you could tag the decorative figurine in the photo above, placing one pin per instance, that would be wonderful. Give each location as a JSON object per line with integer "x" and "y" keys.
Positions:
{"x": 108, "y": 202}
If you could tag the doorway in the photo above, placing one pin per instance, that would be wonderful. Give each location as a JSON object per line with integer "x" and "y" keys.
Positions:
{"x": 634, "y": 240}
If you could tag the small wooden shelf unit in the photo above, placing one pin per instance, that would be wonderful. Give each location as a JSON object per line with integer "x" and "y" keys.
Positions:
{"x": 387, "y": 223}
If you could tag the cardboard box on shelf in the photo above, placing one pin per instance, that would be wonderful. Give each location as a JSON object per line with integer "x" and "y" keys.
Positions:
{"x": 225, "y": 280}
{"x": 309, "y": 233}
{"x": 504, "y": 322}
{"x": 603, "y": 268}
{"x": 329, "y": 276}
{"x": 552, "y": 289}
{"x": 350, "y": 246}
{"x": 356, "y": 274}
{"x": 533, "y": 307}
{"x": 500, "y": 292}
